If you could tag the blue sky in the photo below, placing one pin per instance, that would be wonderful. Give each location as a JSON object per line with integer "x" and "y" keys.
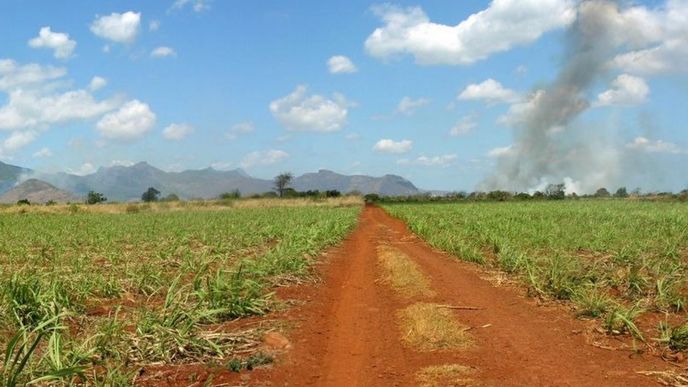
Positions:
{"x": 432, "y": 91}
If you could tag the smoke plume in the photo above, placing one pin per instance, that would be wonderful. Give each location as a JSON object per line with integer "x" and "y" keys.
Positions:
{"x": 549, "y": 146}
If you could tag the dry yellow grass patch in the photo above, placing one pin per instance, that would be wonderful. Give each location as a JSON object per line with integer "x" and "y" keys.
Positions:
{"x": 445, "y": 375}
{"x": 197, "y": 205}
{"x": 402, "y": 274}
{"x": 431, "y": 327}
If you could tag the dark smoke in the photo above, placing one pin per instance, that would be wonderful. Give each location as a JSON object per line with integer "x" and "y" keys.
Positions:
{"x": 548, "y": 147}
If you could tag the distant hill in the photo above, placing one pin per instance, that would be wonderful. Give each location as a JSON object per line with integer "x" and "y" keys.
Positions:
{"x": 390, "y": 185}
{"x": 37, "y": 191}
{"x": 125, "y": 183}
{"x": 122, "y": 183}
{"x": 9, "y": 176}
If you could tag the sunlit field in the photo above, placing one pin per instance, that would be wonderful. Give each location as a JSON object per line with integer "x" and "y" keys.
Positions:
{"x": 614, "y": 259}
{"x": 90, "y": 296}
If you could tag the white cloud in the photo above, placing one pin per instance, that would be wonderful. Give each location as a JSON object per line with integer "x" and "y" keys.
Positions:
{"x": 659, "y": 38}
{"x": 13, "y": 75}
{"x": 238, "y": 129}
{"x": 339, "y": 64}
{"x": 313, "y": 113}
{"x": 408, "y": 106}
{"x": 501, "y": 151}
{"x": 645, "y": 145}
{"x": 490, "y": 91}
{"x": 18, "y": 140}
{"x": 121, "y": 163}
{"x": 176, "y": 132}
{"x": 97, "y": 83}
{"x": 391, "y": 146}
{"x": 196, "y": 5}
{"x": 434, "y": 161}
{"x": 32, "y": 109}
{"x": 117, "y": 27}
{"x": 222, "y": 165}
{"x": 154, "y": 25}
{"x": 667, "y": 57}
{"x": 464, "y": 126}
{"x": 133, "y": 120}
{"x": 83, "y": 170}
{"x": 504, "y": 24}
{"x": 35, "y": 99}
{"x": 59, "y": 42}
{"x": 626, "y": 90}
{"x": 161, "y": 52}
{"x": 43, "y": 153}
{"x": 267, "y": 157}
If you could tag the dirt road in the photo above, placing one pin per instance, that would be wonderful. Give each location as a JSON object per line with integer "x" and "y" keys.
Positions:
{"x": 347, "y": 333}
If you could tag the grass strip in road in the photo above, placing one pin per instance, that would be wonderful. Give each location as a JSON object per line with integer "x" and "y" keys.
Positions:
{"x": 431, "y": 327}
{"x": 445, "y": 375}
{"x": 402, "y": 274}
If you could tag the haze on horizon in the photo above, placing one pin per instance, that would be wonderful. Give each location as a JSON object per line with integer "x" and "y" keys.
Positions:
{"x": 503, "y": 94}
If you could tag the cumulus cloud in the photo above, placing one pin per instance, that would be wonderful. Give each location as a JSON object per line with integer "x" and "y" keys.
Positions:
{"x": 83, "y": 170}
{"x": 133, "y": 120}
{"x": 644, "y": 144}
{"x": 391, "y": 146}
{"x": 501, "y": 151}
{"x": 18, "y": 139}
{"x": 176, "y": 132}
{"x": 658, "y": 37}
{"x": 239, "y": 129}
{"x": 36, "y": 100}
{"x": 117, "y": 27}
{"x": 434, "y": 161}
{"x": 196, "y": 5}
{"x": 162, "y": 52}
{"x": 489, "y": 91}
{"x": 313, "y": 113}
{"x": 43, "y": 153}
{"x": 97, "y": 83}
{"x": 340, "y": 64}
{"x": 407, "y": 106}
{"x": 626, "y": 90}
{"x": 464, "y": 126}
{"x": 32, "y": 109}
{"x": 121, "y": 163}
{"x": 262, "y": 158}
{"x": 14, "y": 75}
{"x": 59, "y": 42}
{"x": 503, "y": 25}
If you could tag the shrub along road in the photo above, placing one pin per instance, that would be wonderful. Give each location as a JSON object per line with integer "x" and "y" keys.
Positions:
{"x": 348, "y": 332}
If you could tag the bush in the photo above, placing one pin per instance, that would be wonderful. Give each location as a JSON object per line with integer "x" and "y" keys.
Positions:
{"x": 371, "y": 198}
{"x": 95, "y": 198}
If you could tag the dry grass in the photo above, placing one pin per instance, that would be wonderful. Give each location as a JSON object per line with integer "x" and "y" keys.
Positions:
{"x": 402, "y": 274}
{"x": 445, "y": 375}
{"x": 210, "y": 205}
{"x": 430, "y": 327}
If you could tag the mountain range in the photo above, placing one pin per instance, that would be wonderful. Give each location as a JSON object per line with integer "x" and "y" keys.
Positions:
{"x": 125, "y": 183}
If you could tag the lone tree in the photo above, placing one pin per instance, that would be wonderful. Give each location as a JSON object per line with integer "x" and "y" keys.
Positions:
{"x": 95, "y": 198}
{"x": 602, "y": 193}
{"x": 556, "y": 191}
{"x": 621, "y": 193}
{"x": 282, "y": 181}
{"x": 151, "y": 195}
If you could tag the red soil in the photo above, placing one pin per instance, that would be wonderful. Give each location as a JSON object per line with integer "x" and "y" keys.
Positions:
{"x": 346, "y": 333}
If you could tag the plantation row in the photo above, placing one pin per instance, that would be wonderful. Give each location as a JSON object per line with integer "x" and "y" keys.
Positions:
{"x": 93, "y": 297}
{"x": 614, "y": 259}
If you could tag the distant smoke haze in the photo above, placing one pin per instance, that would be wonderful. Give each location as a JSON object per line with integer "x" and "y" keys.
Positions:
{"x": 549, "y": 146}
